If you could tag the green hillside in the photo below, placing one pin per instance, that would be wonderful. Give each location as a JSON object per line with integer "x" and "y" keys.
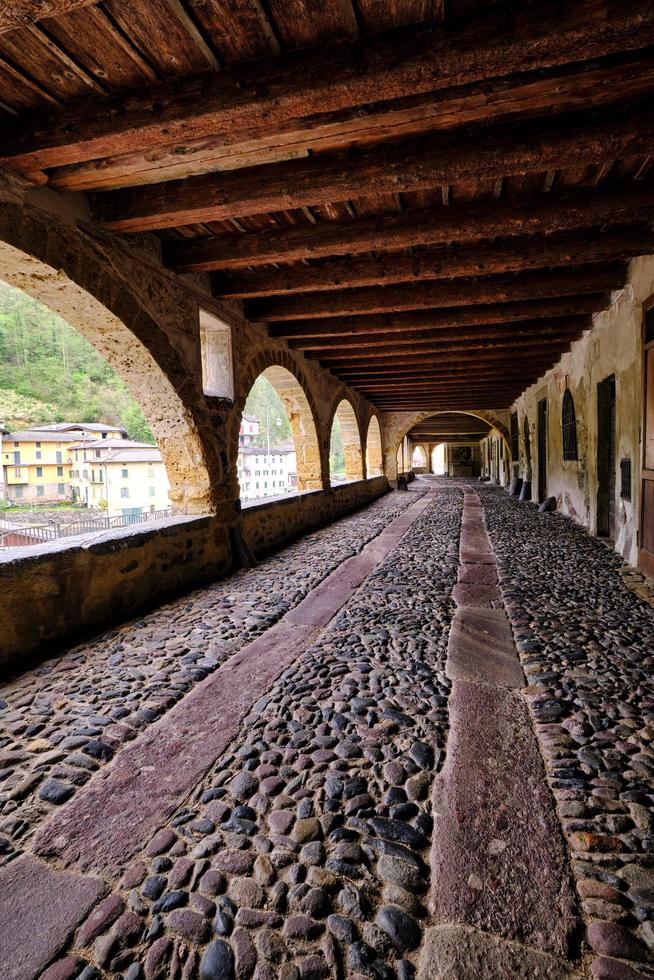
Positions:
{"x": 49, "y": 373}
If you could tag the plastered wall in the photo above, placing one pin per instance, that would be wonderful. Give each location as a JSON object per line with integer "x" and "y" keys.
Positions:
{"x": 612, "y": 347}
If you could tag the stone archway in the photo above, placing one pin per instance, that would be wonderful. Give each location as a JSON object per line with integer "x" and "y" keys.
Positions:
{"x": 288, "y": 380}
{"x": 374, "y": 453}
{"x": 398, "y": 424}
{"x": 419, "y": 460}
{"x": 345, "y": 415}
{"x": 51, "y": 262}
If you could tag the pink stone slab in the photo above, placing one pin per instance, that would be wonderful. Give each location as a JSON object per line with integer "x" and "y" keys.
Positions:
{"x": 468, "y": 594}
{"x": 481, "y": 649}
{"x": 499, "y": 862}
{"x": 40, "y": 907}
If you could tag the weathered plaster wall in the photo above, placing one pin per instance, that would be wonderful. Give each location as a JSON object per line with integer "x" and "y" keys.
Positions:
{"x": 612, "y": 346}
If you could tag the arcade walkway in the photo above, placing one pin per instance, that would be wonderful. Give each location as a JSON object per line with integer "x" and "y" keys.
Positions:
{"x": 417, "y": 742}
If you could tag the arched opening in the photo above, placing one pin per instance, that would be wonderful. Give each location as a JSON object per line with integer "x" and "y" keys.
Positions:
{"x": 527, "y": 441}
{"x": 439, "y": 460}
{"x": 345, "y": 457}
{"x": 77, "y": 454}
{"x": 101, "y": 309}
{"x": 374, "y": 454}
{"x": 459, "y": 437}
{"x": 418, "y": 459}
{"x": 278, "y": 451}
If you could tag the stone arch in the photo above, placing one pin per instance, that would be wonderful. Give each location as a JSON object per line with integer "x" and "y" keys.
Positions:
{"x": 293, "y": 391}
{"x": 374, "y": 452}
{"x": 419, "y": 459}
{"x": 91, "y": 287}
{"x": 399, "y": 424}
{"x": 351, "y": 434}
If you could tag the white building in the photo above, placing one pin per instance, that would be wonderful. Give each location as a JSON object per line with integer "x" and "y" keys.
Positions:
{"x": 266, "y": 474}
{"x": 120, "y": 477}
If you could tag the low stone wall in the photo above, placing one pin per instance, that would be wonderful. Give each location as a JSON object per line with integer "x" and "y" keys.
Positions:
{"x": 57, "y": 593}
{"x": 266, "y": 526}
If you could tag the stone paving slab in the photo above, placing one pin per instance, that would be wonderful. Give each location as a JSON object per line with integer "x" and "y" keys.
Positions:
{"x": 456, "y": 953}
{"x": 481, "y": 649}
{"x": 110, "y": 818}
{"x": 470, "y": 594}
{"x": 30, "y": 939}
{"x": 476, "y": 556}
{"x": 498, "y": 859}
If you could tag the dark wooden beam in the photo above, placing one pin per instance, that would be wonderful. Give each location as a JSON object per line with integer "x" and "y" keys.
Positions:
{"x": 399, "y": 350}
{"x": 461, "y": 222}
{"x": 417, "y": 165}
{"x": 391, "y": 324}
{"x": 535, "y": 353}
{"x": 462, "y": 292}
{"x": 411, "y": 61}
{"x": 20, "y": 13}
{"x": 567, "y": 326}
{"x": 481, "y": 259}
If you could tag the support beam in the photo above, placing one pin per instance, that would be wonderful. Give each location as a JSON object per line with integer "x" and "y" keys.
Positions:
{"x": 534, "y": 341}
{"x": 306, "y": 83}
{"x": 19, "y": 13}
{"x": 481, "y": 259}
{"x": 416, "y": 165}
{"x": 481, "y": 333}
{"x": 391, "y": 324}
{"x": 461, "y": 292}
{"x": 460, "y": 222}
{"x": 538, "y": 353}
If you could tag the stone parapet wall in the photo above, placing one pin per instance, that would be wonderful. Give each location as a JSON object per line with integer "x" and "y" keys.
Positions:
{"x": 57, "y": 592}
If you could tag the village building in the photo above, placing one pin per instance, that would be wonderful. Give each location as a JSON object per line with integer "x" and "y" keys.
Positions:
{"x": 120, "y": 477}
{"x": 36, "y": 462}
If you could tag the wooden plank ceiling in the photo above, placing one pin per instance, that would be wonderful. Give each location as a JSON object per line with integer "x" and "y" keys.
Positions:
{"x": 431, "y": 198}
{"x": 449, "y": 427}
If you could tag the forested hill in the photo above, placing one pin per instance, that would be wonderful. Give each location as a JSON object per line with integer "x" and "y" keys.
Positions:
{"x": 50, "y": 373}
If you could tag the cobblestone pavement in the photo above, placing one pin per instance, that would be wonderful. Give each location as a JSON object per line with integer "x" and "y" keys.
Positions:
{"x": 586, "y": 644}
{"x": 305, "y": 851}
{"x": 61, "y": 722}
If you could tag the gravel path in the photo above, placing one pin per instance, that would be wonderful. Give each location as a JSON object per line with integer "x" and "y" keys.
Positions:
{"x": 62, "y": 721}
{"x": 587, "y": 647}
{"x": 304, "y": 853}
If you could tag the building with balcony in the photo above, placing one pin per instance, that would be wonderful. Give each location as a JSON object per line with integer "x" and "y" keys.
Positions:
{"x": 36, "y": 461}
{"x": 120, "y": 477}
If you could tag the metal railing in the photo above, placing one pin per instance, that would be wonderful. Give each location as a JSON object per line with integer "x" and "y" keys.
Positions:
{"x": 39, "y": 533}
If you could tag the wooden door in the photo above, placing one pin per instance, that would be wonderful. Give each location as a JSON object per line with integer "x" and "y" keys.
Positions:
{"x": 606, "y": 457}
{"x": 542, "y": 450}
{"x": 646, "y": 531}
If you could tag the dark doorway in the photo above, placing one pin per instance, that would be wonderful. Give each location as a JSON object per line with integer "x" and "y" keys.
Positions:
{"x": 606, "y": 457}
{"x": 542, "y": 450}
{"x": 646, "y": 532}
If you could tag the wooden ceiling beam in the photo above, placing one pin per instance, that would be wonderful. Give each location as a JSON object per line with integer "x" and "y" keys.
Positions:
{"x": 415, "y": 321}
{"x": 462, "y": 292}
{"x": 480, "y": 259}
{"x": 466, "y": 221}
{"x": 271, "y": 92}
{"x": 373, "y": 354}
{"x": 569, "y": 326}
{"x": 559, "y": 89}
{"x": 19, "y": 13}
{"x": 415, "y": 165}
{"x": 541, "y": 354}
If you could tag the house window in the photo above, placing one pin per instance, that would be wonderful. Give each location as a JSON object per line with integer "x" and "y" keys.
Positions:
{"x": 92, "y": 476}
{"x": 16, "y": 444}
{"x": 124, "y": 491}
{"x": 39, "y": 454}
{"x": 40, "y": 491}
{"x": 151, "y": 491}
{"x": 60, "y": 471}
{"x": 38, "y": 445}
{"x": 125, "y": 473}
{"x": 17, "y": 472}
{"x": 59, "y": 458}
{"x": 18, "y": 492}
{"x": 39, "y": 471}
{"x": 216, "y": 351}
{"x": 101, "y": 476}
{"x": 71, "y": 474}
{"x": 569, "y": 426}
{"x": 104, "y": 435}
{"x": 61, "y": 488}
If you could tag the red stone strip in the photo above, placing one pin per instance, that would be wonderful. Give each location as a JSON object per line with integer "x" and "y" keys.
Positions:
{"x": 39, "y": 908}
{"x": 499, "y": 866}
{"x": 117, "y": 812}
